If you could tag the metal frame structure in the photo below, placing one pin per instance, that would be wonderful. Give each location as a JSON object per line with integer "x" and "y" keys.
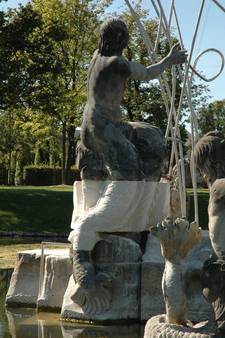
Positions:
{"x": 169, "y": 90}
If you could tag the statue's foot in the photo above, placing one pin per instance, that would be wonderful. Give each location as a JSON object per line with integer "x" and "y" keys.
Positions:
{"x": 92, "y": 291}
{"x": 96, "y": 297}
{"x": 177, "y": 238}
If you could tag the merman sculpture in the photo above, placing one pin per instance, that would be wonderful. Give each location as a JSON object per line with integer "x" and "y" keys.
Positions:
{"x": 213, "y": 275}
{"x": 114, "y": 151}
{"x": 209, "y": 156}
{"x": 176, "y": 239}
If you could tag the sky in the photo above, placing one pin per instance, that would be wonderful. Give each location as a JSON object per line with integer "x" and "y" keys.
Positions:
{"x": 210, "y": 35}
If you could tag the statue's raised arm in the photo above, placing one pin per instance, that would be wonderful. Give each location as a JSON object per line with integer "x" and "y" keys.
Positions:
{"x": 140, "y": 72}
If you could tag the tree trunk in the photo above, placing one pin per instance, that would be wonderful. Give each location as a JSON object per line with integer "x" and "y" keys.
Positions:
{"x": 64, "y": 152}
{"x": 71, "y": 149}
{"x": 10, "y": 167}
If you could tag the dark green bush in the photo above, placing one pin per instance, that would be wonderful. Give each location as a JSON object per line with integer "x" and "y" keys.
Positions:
{"x": 3, "y": 176}
{"x": 43, "y": 175}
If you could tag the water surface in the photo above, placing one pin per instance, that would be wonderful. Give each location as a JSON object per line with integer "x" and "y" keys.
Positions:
{"x": 27, "y": 323}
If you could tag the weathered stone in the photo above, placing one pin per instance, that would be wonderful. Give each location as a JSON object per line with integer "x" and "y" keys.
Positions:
{"x": 216, "y": 212}
{"x": 57, "y": 271}
{"x": 209, "y": 156}
{"x": 115, "y": 206}
{"x": 119, "y": 259}
{"x": 24, "y": 284}
{"x": 158, "y": 327}
{"x": 213, "y": 274}
{"x": 110, "y": 149}
{"x": 152, "y": 302}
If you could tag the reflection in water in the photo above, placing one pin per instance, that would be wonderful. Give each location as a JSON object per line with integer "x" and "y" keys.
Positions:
{"x": 27, "y": 323}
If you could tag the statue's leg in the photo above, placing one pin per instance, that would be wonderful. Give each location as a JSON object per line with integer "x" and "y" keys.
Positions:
{"x": 92, "y": 290}
{"x": 120, "y": 155}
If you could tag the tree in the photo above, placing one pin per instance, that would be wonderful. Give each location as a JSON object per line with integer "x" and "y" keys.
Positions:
{"x": 212, "y": 117}
{"x": 47, "y": 46}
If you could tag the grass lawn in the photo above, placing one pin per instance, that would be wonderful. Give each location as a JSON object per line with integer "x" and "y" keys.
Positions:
{"x": 36, "y": 209}
{"x": 41, "y": 209}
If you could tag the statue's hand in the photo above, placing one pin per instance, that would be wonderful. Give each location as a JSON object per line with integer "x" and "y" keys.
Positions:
{"x": 177, "y": 56}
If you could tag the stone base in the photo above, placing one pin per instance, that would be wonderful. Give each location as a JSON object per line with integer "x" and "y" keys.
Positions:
{"x": 58, "y": 269}
{"x": 119, "y": 258}
{"x": 137, "y": 290}
{"x": 157, "y": 327}
{"x": 24, "y": 284}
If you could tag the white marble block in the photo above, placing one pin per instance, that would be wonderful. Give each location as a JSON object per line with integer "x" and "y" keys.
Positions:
{"x": 115, "y": 206}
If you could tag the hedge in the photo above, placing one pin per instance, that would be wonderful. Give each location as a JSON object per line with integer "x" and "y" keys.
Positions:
{"x": 45, "y": 175}
{"x": 3, "y": 176}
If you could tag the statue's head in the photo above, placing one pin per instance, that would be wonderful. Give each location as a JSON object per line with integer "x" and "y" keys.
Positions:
{"x": 113, "y": 37}
{"x": 209, "y": 156}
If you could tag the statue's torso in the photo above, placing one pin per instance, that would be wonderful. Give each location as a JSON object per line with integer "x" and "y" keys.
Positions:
{"x": 106, "y": 82}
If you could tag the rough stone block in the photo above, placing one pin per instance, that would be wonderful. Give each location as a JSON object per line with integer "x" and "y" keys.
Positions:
{"x": 24, "y": 284}
{"x": 120, "y": 258}
{"x": 152, "y": 302}
{"x": 57, "y": 270}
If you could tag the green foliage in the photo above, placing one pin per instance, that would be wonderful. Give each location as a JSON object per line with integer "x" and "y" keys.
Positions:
{"x": 212, "y": 117}
{"x": 38, "y": 209}
{"x": 45, "y": 50}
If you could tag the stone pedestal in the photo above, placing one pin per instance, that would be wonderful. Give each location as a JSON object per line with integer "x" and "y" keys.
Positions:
{"x": 24, "y": 284}
{"x": 119, "y": 258}
{"x": 115, "y": 207}
{"x": 57, "y": 270}
{"x": 152, "y": 302}
{"x": 137, "y": 292}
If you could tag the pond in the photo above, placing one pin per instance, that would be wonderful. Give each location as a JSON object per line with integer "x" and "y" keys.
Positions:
{"x": 27, "y": 323}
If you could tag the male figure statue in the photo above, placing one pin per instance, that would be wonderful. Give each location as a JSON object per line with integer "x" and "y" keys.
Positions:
{"x": 111, "y": 149}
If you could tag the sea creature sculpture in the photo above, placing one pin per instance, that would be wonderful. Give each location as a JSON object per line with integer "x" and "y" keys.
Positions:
{"x": 213, "y": 274}
{"x": 110, "y": 149}
{"x": 176, "y": 239}
{"x": 209, "y": 156}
